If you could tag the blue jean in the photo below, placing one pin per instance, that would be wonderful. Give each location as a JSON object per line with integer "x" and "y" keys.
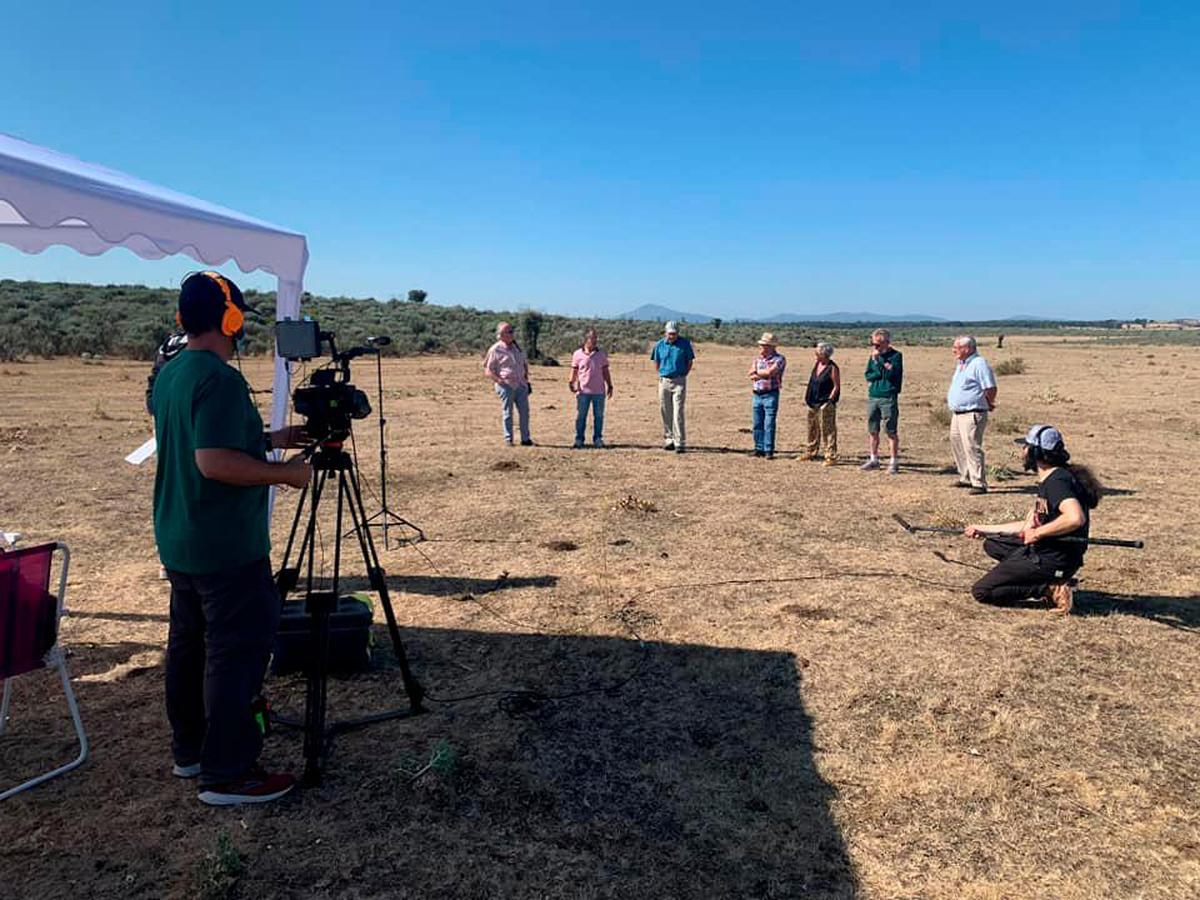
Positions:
{"x": 766, "y": 406}
{"x": 596, "y": 402}
{"x": 513, "y": 395}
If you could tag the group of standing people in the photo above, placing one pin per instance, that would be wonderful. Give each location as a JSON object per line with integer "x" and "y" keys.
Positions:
{"x": 1036, "y": 556}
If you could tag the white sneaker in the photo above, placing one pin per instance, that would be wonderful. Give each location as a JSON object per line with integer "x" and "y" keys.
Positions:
{"x": 894, "y": 468}
{"x": 869, "y": 465}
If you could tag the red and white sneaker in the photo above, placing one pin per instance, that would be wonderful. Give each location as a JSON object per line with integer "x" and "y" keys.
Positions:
{"x": 257, "y": 786}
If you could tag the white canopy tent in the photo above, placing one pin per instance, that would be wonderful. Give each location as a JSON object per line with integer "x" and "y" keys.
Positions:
{"x": 47, "y": 198}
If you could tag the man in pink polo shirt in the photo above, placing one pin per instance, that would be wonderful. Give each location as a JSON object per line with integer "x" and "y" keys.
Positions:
{"x": 509, "y": 371}
{"x": 592, "y": 384}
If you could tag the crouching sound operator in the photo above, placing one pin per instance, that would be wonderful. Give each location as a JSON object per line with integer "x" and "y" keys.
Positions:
{"x": 211, "y": 526}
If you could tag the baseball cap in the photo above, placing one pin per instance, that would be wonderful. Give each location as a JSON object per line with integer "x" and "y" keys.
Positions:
{"x": 671, "y": 328}
{"x": 1045, "y": 437}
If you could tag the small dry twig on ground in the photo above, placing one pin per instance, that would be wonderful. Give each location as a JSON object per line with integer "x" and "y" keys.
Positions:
{"x": 632, "y": 503}
{"x": 442, "y": 760}
{"x": 944, "y": 517}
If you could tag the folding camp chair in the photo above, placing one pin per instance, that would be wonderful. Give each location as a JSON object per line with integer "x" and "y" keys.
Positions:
{"x": 29, "y": 616}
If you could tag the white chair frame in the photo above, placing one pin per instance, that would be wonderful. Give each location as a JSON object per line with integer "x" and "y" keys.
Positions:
{"x": 55, "y": 659}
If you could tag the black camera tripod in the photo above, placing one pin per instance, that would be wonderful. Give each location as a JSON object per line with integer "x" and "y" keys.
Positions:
{"x": 329, "y": 460}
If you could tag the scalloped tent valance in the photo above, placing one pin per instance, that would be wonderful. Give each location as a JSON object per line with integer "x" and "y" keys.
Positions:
{"x": 48, "y": 198}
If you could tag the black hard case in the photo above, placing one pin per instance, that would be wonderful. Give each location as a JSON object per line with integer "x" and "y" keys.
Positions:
{"x": 349, "y": 638}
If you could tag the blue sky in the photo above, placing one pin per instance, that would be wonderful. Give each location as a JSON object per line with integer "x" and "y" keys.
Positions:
{"x": 733, "y": 159}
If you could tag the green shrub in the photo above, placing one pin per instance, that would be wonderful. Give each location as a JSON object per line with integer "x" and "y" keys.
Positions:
{"x": 1013, "y": 366}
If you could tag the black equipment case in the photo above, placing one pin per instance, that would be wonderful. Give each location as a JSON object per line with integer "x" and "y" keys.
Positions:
{"x": 349, "y": 637}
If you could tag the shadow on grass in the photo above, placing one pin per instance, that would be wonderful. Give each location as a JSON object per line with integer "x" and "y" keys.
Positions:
{"x": 119, "y": 616}
{"x": 649, "y": 770}
{"x": 438, "y": 585}
{"x": 1175, "y": 612}
{"x": 1033, "y": 489}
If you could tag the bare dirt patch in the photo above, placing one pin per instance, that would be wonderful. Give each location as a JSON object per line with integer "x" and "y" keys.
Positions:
{"x": 763, "y": 689}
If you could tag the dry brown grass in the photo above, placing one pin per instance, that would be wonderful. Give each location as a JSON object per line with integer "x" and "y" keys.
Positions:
{"x": 805, "y": 700}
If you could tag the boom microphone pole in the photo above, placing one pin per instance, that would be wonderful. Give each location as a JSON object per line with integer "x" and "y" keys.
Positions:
{"x": 1070, "y": 539}
{"x": 386, "y": 518}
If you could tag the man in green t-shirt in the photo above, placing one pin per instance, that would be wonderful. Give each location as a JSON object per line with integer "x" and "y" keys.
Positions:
{"x": 210, "y": 523}
{"x": 885, "y": 378}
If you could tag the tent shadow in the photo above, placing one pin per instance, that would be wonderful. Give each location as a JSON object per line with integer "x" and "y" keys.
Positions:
{"x": 657, "y": 769}
{"x": 640, "y": 769}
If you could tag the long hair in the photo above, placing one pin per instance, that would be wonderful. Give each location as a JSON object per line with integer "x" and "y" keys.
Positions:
{"x": 1088, "y": 483}
{"x": 1093, "y": 490}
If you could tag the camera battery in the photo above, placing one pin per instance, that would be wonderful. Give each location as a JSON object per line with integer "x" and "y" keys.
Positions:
{"x": 349, "y": 637}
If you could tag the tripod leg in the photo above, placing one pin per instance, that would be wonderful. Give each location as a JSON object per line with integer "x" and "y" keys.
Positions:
{"x": 379, "y": 583}
{"x": 318, "y": 607}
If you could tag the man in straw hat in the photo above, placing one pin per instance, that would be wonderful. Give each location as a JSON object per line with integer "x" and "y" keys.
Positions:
{"x": 766, "y": 377}
{"x": 674, "y": 356}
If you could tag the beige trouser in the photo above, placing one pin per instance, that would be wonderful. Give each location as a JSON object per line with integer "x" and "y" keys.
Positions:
{"x": 966, "y": 441}
{"x": 672, "y": 394}
{"x": 822, "y": 430}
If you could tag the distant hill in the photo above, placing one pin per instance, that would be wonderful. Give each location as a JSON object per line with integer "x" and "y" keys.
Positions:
{"x": 650, "y": 312}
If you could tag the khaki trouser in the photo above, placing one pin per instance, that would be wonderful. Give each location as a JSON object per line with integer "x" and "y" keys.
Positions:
{"x": 966, "y": 442}
{"x": 672, "y": 394}
{"x": 822, "y": 430}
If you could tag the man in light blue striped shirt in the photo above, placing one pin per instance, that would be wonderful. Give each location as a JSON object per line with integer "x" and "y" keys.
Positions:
{"x": 971, "y": 397}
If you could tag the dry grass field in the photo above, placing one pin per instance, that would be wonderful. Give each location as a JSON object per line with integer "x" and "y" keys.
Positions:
{"x": 761, "y": 687}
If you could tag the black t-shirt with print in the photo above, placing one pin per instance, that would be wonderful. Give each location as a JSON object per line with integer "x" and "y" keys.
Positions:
{"x": 1058, "y": 486}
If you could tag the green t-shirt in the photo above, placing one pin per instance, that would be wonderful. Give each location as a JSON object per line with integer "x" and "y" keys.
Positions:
{"x": 204, "y": 526}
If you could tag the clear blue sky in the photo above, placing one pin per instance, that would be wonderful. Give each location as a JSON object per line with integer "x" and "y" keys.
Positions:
{"x": 726, "y": 158}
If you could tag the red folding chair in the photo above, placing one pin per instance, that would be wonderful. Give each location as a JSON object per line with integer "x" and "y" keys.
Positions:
{"x": 29, "y": 616}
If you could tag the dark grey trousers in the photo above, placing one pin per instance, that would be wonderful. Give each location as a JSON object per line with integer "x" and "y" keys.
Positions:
{"x": 1022, "y": 573}
{"x": 222, "y": 629}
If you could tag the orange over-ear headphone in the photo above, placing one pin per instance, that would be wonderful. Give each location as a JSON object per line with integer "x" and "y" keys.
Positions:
{"x": 233, "y": 319}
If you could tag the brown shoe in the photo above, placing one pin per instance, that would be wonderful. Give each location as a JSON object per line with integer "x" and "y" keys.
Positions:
{"x": 806, "y": 457}
{"x": 1062, "y": 595}
{"x": 830, "y": 461}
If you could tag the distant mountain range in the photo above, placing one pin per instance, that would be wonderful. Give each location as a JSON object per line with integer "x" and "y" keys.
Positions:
{"x": 651, "y": 312}
{"x": 849, "y": 317}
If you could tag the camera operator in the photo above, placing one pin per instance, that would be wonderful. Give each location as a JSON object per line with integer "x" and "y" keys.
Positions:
{"x": 211, "y": 526}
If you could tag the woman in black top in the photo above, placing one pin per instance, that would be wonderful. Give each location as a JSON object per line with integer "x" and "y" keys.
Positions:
{"x": 1034, "y": 559}
{"x": 824, "y": 389}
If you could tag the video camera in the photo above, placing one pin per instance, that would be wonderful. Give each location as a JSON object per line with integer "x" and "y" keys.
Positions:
{"x": 328, "y": 401}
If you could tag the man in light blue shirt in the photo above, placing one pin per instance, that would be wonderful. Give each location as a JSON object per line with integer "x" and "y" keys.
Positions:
{"x": 673, "y": 355}
{"x": 971, "y": 397}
